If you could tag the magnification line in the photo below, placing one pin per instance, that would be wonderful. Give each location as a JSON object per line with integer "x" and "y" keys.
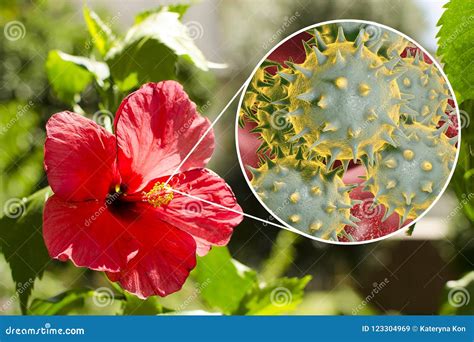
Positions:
{"x": 206, "y": 132}
{"x": 229, "y": 209}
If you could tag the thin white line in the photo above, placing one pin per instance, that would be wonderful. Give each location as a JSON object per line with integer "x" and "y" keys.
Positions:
{"x": 229, "y": 209}
{"x": 207, "y": 131}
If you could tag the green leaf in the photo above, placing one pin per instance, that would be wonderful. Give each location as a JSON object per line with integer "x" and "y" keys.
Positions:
{"x": 459, "y": 296}
{"x": 70, "y": 75}
{"x": 223, "y": 282}
{"x": 150, "y": 50}
{"x": 178, "y": 8}
{"x": 101, "y": 34}
{"x": 281, "y": 256}
{"x": 133, "y": 305}
{"x": 21, "y": 241}
{"x": 61, "y": 304}
{"x": 280, "y": 296}
{"x": 455, "y": 46}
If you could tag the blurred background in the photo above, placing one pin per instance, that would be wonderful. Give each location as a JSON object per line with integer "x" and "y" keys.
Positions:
{"x": 413, "y": 270}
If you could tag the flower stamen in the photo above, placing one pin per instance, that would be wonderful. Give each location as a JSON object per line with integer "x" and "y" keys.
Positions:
{"x": 160, "y": 194}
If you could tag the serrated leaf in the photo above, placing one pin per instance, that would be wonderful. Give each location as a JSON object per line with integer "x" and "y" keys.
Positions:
{"x": 455, "y": 46}
{"x": 280, "y": 296}
{"x": 61, "y": 304}
{"x": 101, "y": 35}
{"x": 223, "y": 282}
{"x": 150, "y": 50}
{"x": 21, "y": 241}
{"x": 70, "y": 75}
{"x": 459, "y": 296}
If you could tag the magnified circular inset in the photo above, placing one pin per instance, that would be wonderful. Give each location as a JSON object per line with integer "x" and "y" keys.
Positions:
{"x": 347, "y": 132}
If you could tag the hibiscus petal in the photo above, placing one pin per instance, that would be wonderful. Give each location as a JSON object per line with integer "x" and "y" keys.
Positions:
{"x": 210, "y": 224}
{"x": 164, "y": 260}
{"x": 87, "y": 234}
{"x": 156, "y": 128}
{"x": 79, "y": 157}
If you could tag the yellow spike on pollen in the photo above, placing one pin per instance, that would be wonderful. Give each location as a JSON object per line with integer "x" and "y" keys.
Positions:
{"x": 294, "y": 197}
{"x": 364, "y": 89}
{"x": 427, "y": 187}
{"x": 277, "y": 186}
{"x": 391, "y": 163}
{"x": 408, "y": 154}
{"x": 426, "y": 166}
{"x": 315, "y": 226}
{"x": 330, "y": 208}
{"x": 295, "y": 218}
{"x": 406, "y": 82}
{"x": 322, "y": 102}
{"x": 408, "y": 197}
{"x": 351, "y": 133}
{"x": 315, "y": 190}
{"x": 372, "y": 115}
{"x": 391, "y": 184}
{"x": 329, "y": 127}
{"x": 425, "y": 110}
{"x": 341, "y": 82}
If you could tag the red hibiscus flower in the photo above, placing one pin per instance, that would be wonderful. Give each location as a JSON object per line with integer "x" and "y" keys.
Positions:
{"x": 113, "y": 210}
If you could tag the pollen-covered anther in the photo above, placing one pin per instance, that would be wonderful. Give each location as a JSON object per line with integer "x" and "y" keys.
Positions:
{"x": 408, "y": 154}
{"x": 426, "y": 166}
{"x": 160, "y": 194}
{"x": 341, "y": 82}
